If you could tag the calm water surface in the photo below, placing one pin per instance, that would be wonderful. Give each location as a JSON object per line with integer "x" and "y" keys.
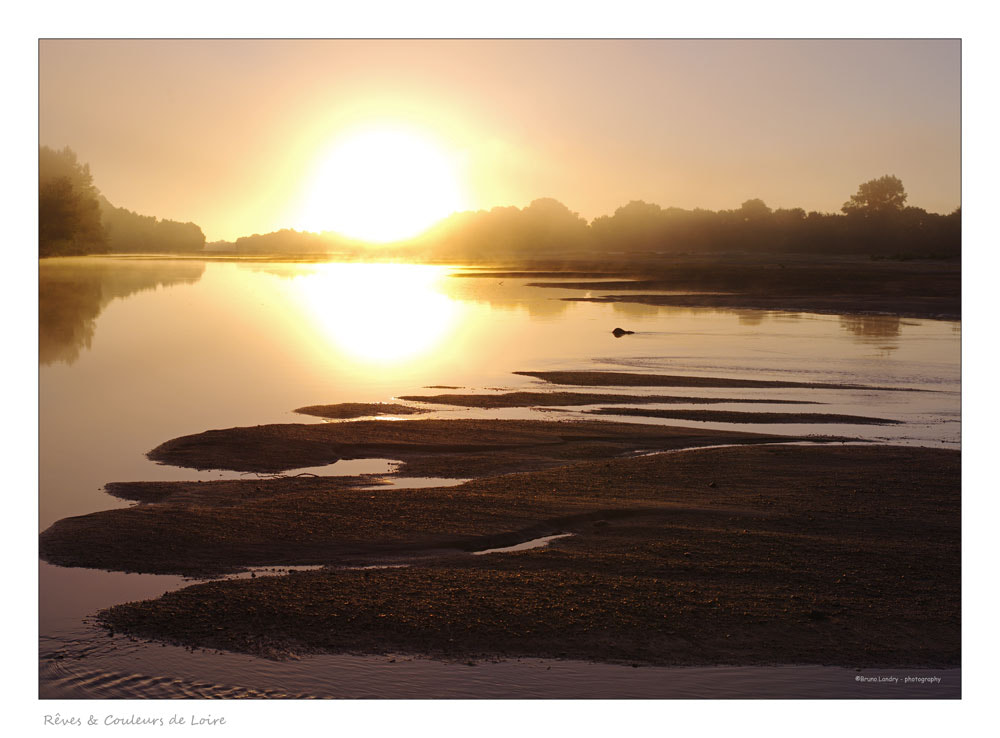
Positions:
{"x": 135, "y": 351}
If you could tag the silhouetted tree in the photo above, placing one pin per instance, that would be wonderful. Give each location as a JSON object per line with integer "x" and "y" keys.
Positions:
{"x": 754, "y": 210}
{"x": 74, "y": 218}
{"x": 69, "y": 217}
{"x": 877, "y": 196}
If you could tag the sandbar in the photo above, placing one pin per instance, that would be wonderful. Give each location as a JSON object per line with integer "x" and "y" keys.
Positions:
{"x": 546, "y": 399}
{"x": 838, "y": 555}
{"x": 347, "y": 410}
{"x": 732, "y": 416}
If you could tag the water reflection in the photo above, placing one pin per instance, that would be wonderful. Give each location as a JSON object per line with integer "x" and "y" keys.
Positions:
{"x": 872, "y": 326}
{"x": 379, "y": 313}
{"x": 502, "y": 293}
{"x": 372, "y": 314}
{"x": 516, "y": 294}
{"x": 877, "y": 331}
{"x": 283, "y": 270}
{"x": 750, "y": 317}
{"x": 72, "y": 293}
{"x": 635, "y": 309}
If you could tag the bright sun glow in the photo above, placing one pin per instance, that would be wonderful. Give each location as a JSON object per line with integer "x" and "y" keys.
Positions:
{"x": 382, "y": 184}
{"x": 379, "y": 313}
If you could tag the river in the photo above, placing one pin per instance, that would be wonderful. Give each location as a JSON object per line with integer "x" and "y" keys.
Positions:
{"x": 135, "y": 351}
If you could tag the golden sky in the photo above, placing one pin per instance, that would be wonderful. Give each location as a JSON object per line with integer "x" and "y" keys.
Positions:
{"x": 235, "y": 135}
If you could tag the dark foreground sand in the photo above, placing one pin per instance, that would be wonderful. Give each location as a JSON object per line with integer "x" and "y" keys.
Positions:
{"x": 197, "y": 528}
{"x": 839, "y": 555}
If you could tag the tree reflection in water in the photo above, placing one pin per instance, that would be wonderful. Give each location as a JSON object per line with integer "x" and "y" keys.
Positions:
{"x": 72, "y": 293}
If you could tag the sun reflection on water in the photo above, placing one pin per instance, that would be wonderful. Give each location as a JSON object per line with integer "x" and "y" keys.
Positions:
{"x": 379, "y": 314}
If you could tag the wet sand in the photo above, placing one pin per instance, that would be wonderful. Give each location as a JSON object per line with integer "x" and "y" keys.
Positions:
{"x": 751, "y": 555}
{"x": 553, "y": 399}
{"x": 460, "y": 448}
{"x": 732, "y": 416}
{"x": 633, "y": 379}
{"x": 348, "y": 410}
{"x": 198, "y": 528}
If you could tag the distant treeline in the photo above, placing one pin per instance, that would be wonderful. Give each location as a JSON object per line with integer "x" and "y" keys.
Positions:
{"x": 289, "y": 240}
{"x": 875, "y": 221}
{"x": 130, "y": 232}
{"x": 74, "y": 218}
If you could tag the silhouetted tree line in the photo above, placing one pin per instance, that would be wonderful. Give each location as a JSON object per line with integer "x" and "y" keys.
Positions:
{"x": 287, "y": 241}
{"x": 874, "y": 221}
{"x": 74, "y": 218}
{"x": 129, "y": 232}
{"x": 546, "y": 225}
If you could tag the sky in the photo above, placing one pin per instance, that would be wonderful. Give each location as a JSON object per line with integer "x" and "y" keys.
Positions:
{"x": 234, "y": 135}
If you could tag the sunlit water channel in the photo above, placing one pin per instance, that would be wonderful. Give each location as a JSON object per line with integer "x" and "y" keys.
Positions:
{"x": 134, "y": 352}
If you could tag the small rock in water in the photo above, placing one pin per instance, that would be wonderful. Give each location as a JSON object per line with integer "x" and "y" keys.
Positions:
{"x": 619, "y": 332}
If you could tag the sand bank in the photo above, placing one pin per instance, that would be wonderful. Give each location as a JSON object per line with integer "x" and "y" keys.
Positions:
{"x": 750, "y": 555}
{"x": 554, "y": 399}
{"x": 732, "y": 416}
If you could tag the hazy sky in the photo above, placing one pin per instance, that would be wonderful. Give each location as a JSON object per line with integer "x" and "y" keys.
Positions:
{"x": 228, "y": 133}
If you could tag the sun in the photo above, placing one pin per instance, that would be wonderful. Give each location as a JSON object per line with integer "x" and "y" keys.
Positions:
{"x": 382, "y": 183}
